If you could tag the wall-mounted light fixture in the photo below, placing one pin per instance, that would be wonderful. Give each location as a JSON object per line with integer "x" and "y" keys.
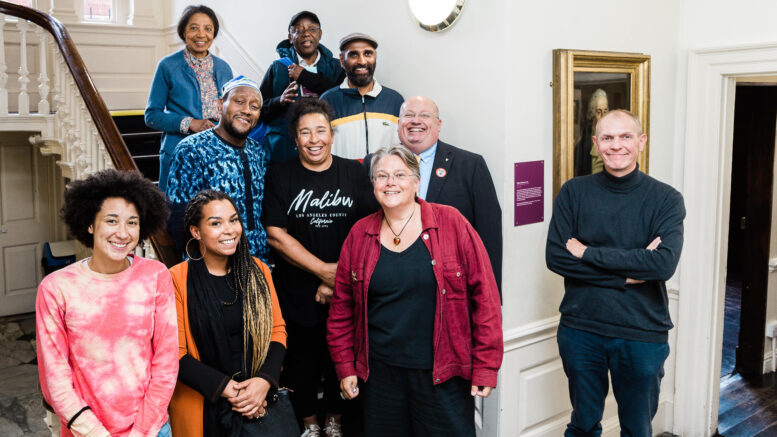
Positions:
{"x": 436, "y": 15}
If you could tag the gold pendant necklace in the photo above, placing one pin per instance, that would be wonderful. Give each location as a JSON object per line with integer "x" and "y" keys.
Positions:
{"x": 398, "y": 240}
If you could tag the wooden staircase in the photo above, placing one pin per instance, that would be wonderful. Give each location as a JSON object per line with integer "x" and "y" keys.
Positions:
{"x": 74, "y": 124}
{"x": 142, "y": 142}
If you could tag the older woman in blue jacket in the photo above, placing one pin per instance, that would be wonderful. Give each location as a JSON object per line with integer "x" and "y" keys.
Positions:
{"x": 184, "y": 97}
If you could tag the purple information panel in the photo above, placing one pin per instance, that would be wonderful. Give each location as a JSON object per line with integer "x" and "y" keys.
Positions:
{"x": 529, "y": 192}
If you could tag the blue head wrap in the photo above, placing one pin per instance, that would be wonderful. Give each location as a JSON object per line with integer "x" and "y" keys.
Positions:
{"x": 239, "y": 81}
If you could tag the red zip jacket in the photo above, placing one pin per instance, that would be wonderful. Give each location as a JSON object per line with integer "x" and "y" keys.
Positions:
{"x": 468, "y": 316}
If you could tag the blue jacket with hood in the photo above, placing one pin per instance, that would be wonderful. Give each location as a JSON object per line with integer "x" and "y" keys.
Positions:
{"x": 275, "y": 115}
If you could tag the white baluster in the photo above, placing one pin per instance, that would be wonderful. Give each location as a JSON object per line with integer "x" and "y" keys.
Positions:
{"x": 131, "y": 13}
{"x": 43, "y": 79}
{"x": 70, "y": 122}
{"x": 91, "y": 134}
{"x": 24, "y": 98}
{"x": 3, "y": 74}
{"x": 57, "y": 73}
{"x": 99, "y": 150}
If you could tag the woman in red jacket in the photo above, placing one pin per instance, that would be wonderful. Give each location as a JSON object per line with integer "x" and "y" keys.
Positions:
{"x": 416, "y": 313}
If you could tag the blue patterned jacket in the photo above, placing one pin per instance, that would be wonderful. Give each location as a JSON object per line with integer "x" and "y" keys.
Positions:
{"x": 205, "y": 160}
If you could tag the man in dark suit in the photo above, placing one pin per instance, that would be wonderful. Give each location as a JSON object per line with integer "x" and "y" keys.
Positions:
{"x": 452, "y": 176}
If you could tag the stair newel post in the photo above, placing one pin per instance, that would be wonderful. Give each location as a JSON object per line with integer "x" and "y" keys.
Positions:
{"x": 3, "y": 74}
{"x": 24, "y": 98}
{"x": 43, "y": 78}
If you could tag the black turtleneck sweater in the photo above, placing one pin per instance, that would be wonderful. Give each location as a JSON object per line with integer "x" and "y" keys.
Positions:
{"x": 616, "y": 218}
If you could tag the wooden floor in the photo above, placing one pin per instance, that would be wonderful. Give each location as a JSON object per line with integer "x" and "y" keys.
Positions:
{"x": 747, "y": 407}
{"x": 731, "y": 324}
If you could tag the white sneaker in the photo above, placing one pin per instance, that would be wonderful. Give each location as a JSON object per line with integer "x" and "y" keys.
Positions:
{"x": 332, "y": 428}
{"x": 312, "y": 431}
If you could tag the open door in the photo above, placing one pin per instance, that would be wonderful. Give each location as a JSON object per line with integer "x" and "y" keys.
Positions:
{"x": 755, "y": 119}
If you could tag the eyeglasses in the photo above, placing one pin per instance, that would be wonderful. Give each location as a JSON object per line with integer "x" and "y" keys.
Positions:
{"x": 301, "y": 30}
{"x": 382, "y": 178}
{"x": 423, "y": 116}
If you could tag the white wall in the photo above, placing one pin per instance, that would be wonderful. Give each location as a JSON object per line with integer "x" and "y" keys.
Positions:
{"x": 529, "y": 113}
{"x": 468, "y": 89}
{"x": 534, "y": 293}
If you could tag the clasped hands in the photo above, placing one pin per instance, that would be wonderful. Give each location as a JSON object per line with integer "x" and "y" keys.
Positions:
{"x": 248, "y": 397}
{"x": 576, "y": 248}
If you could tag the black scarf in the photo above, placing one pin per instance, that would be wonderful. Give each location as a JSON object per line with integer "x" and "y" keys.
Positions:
{"x": 212, "y": 340}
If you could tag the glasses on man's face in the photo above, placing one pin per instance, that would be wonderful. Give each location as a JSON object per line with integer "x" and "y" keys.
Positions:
{"x": 422, "y": 116}
{"x": 382, "y": 178}
{"x": 301, "y": 30}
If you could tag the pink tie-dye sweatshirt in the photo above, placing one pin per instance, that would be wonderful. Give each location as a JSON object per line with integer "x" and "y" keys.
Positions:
{"x": 109, "y": 342}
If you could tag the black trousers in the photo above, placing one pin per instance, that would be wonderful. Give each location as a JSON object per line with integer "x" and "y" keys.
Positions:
{"x": 307, "y": 360}
{"x": 404, "y": 402}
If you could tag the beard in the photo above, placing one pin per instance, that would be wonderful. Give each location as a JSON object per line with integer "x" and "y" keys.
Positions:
{"x": 360, "y": 79}
{"x": 236, "y": 133}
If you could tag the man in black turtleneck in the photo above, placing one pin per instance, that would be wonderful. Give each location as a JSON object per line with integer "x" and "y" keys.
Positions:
{"x": 615, "y": 237}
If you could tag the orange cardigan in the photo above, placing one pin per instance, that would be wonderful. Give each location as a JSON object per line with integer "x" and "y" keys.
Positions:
{"x": 186, "y": 407}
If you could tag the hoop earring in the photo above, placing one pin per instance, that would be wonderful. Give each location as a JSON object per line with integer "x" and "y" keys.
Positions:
{"x": 186, "y": 249}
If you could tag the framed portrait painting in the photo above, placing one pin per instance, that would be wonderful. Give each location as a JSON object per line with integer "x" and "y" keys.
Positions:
{"x": 586, "y": 85}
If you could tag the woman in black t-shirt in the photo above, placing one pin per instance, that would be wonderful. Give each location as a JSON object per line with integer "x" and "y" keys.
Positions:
{"x": 309, "y": 207}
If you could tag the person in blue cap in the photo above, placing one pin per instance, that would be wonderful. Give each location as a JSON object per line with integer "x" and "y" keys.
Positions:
{"x": 305, "y": 68}
{"x": 224, "y": 158}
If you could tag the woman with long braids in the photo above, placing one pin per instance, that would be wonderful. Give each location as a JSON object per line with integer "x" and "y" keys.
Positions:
{"x": 231, "y": 333}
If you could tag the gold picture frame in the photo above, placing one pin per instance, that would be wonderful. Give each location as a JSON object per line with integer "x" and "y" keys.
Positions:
{"x": 583, "y": 81}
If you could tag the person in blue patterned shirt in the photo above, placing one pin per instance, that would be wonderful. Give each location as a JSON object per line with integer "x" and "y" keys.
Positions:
{"x": 224, "y": 158}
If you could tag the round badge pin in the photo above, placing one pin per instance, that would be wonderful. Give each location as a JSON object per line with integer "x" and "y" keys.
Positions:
{"x": 440, "y": 172}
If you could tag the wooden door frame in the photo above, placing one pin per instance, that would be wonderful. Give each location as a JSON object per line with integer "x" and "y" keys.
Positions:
{"x": 711, "y": 86}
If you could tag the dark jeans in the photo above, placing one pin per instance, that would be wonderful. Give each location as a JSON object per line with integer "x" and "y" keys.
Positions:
{"x": 636, "y": 369}
{"x": 307, "y": 360}
{"x": 404, "y": 402}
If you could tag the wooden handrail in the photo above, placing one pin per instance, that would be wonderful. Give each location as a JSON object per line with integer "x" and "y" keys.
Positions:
{"x": 94, "y": 103}
{"x": 114, "y": 143}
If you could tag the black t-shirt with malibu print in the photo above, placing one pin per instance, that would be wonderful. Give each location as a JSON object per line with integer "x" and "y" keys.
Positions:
{"x": 318, "y": 209}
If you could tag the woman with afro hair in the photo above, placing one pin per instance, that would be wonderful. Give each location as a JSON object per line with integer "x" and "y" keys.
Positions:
{"x": 106, "y": 325}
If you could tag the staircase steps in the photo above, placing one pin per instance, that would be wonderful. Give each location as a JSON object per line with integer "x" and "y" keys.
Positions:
{"x": 143, "y": 142}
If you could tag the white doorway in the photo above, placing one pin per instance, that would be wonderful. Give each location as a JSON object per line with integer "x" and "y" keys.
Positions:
{"x": 711, "y": 81}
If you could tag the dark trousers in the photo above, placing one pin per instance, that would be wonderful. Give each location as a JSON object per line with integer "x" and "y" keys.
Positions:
{"x": 636, "y": 369}
{"x": 404, "y": 402}
{"x": 307, "y": 360}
